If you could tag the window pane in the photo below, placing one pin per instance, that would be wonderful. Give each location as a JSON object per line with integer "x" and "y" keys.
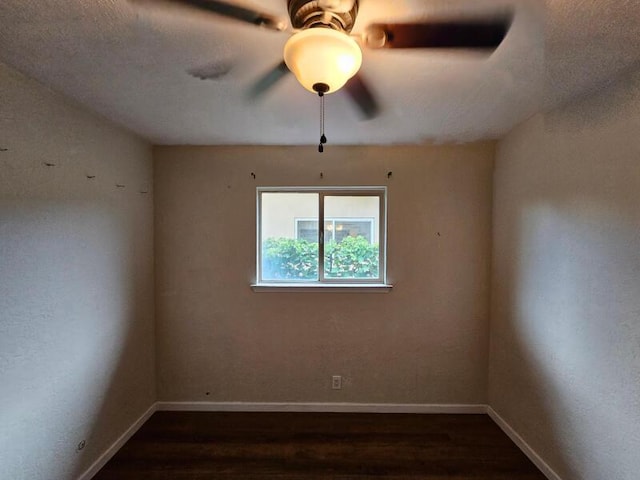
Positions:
{"x": 289, "y": 236}
{"x": 307, "y": 230}
{"x": 289, "y": 220}
{"x": 353, "y": 228}
{"x": 351, "y": 237}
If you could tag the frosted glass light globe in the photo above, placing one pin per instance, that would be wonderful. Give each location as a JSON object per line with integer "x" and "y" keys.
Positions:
{"x": 322, "y": 56}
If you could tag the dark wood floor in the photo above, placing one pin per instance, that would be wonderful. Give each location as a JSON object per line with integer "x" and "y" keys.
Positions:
{"x": 226, "y": 446}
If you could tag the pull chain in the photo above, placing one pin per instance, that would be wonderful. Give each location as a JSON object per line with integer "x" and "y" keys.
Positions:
{"x": 323, "y": 138}
{"x": 321, "y": 88}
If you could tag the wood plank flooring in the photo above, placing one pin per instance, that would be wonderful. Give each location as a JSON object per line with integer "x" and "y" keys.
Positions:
{"x": 319, "y": 446}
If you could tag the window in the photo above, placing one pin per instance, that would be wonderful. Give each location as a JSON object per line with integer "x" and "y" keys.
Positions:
{"x": 351, "y": 243}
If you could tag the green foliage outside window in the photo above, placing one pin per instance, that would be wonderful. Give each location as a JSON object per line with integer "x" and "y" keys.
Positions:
{"x": 353, "y": 257}
{"x": 291, "y": 259}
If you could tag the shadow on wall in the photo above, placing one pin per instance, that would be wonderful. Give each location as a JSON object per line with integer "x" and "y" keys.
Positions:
{"x": 76, "y": 283}
{"x": 126, "y": 369}
{"x": 565, "y": 369}
{"x": 77, "y": 331}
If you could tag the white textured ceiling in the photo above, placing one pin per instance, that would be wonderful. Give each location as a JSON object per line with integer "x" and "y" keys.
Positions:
{"x": 131, "y": 65}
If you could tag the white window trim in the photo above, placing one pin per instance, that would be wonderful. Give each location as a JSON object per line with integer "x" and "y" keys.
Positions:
{"x": 378, "y": 285}
{"x": 322, "y": 287}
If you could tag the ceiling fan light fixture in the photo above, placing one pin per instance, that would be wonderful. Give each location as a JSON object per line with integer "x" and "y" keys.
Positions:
{"x": 322, "y": 56}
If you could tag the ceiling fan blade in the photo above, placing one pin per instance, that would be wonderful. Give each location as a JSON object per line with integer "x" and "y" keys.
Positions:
{"x": 468, "y": 34}
{"x": 229, "y": 10}
{"x": 268, "y": 80}
{"x": 363, "y": 97}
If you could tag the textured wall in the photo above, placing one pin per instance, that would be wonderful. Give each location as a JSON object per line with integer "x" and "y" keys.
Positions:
{"x": 425, "y": 342}
{"x": 565, "y": 332}
{"x": 76, "y": 283}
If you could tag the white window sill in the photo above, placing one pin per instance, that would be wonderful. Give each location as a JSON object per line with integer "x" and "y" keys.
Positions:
{"x": 322, "y": 287}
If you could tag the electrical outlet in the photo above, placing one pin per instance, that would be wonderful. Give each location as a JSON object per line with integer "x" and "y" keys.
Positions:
{"x": 336, "y": 382}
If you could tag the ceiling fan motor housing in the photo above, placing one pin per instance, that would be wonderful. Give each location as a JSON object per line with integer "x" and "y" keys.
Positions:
{"x": 334, "y": 14}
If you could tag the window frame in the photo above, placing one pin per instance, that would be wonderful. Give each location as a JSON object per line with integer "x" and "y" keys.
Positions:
{"x": 371, "y": 284}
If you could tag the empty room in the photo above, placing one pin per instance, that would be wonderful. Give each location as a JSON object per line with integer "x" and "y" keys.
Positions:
{"x": 320, "y": 239}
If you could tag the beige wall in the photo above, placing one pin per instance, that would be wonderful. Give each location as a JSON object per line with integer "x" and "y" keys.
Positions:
{"x": 565, "y": 332}
{"x": 76, "y": 283}
{"x": 425, "y": 342}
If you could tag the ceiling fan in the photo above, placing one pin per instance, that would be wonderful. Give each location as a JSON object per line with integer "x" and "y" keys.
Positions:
{"x": 324, "y": 56}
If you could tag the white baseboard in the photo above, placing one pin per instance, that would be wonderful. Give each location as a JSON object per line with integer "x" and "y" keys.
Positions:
{"x": 117, "y": 445}
{"x": 320, "y": 407}
{"x": 522, "y": 445}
